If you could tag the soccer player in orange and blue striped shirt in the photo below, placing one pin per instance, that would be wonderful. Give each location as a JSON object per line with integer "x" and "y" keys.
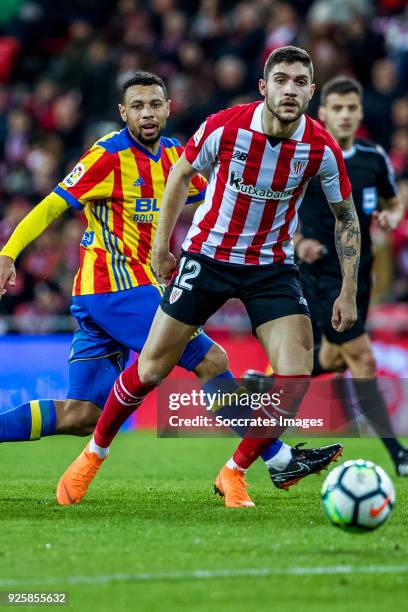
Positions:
{"x": 119, "y": 183}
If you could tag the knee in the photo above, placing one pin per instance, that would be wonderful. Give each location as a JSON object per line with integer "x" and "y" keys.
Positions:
{"x": 77, "y": 417}
{"x": 365, "y": 365}
{"x": 338, "y": 364}
{"x": 148, "y": 372}
{"x": 214, "y": 363}
{"x": 332, "y": 363}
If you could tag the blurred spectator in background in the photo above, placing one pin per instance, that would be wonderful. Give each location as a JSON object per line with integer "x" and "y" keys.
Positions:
{"x": 378, "y": 101}
{"x": 98, "y": 82}
{"x": 282, "y": 27}
{"x": 40, "y": 103}
{"x": 63, "y": 63}
{"x": 68, "y": 67}
{"x": 41, "y": 315}
{"x": 69, "y": 124}
{"x": 400, "y": 245}
{"x": 16, "y": 210}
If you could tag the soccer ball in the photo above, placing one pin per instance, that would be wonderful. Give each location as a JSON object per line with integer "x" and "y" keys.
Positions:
{"x": 358, "y": 496}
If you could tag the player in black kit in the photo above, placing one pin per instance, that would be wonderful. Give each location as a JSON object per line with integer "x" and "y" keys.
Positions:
{"x": 376, "y": 198}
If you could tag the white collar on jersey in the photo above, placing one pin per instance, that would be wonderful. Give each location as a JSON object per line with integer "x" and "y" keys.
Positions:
{"x": 256, "y": 124}
{"x": 347, "y": 153}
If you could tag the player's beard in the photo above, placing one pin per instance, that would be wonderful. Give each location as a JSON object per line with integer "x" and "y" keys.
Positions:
{"x": 147, "y": 142}
{"x": 274, "y": 110}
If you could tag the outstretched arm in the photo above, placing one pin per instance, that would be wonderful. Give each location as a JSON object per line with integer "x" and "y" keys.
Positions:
{"x": 174, "y": 198}
{"x": 37, "y": 220}
{"x": 348, "y": 240}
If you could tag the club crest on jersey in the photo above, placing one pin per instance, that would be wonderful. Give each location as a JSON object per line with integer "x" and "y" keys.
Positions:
{"x": 297, "y": 167}
{"x": 74, "y": 176}
{"x": 176, "y": 292}
{"x": 199, "y": 133}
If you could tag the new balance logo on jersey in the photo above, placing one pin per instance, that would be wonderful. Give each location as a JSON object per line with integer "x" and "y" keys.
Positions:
{"x": 237, "y": 183}
{"x": 240, "y": 155}
{"x": 139, "y": 182}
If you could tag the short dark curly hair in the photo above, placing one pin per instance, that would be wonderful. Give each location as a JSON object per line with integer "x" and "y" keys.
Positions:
{"x": 144, "y": 78}
{"x": 342, "y": 85}
{"x": 290, "y": 55}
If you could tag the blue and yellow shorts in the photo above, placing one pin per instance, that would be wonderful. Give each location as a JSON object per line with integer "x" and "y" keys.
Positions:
{"x": 110, "y": 325}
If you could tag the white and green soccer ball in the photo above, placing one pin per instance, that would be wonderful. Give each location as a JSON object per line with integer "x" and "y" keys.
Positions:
{"x": 358, "y": 496}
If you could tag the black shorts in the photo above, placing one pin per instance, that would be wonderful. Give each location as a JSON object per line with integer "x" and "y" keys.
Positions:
{"x": 201, "y": 285}
{"x": 321, "y": 289}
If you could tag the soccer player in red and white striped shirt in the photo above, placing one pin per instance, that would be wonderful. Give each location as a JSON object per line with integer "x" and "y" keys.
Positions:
{"x": 259, "y": 158}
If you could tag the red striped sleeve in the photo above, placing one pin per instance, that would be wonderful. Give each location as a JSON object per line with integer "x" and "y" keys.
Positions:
{"x": 240, "y": 114}
{"x": 316, "y": 133}
{"x": 92, "y": 177}
{"x": 345, "y": 185}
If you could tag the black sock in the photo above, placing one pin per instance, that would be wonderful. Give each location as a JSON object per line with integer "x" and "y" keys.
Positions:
{"x": 393, "y": 446}
{"x": 346, "y": 394}
{"x": 375, "y": 410}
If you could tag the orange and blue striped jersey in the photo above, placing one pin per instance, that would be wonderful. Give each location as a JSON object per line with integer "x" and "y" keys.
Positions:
{"x": 120, "y": 185}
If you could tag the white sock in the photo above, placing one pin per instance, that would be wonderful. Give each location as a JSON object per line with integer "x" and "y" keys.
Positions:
{"x": 99, "y": 450}
{"x": 234, "y": 466}
{"x": 281, "y": 459}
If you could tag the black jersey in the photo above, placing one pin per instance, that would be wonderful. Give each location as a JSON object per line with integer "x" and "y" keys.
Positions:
{"x": 371, "y": 175}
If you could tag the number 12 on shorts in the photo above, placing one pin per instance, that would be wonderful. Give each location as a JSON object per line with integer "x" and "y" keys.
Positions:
{"x": 188, "y": 271}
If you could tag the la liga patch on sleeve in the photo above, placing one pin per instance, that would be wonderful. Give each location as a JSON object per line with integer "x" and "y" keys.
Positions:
{"x": 199, "y": 133}
{"x": 73, "y": 177}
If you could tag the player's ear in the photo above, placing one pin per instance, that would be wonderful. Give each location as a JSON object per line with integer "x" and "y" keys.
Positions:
{"x": 360, "y": 112}
{"x": 321, "y": 113}
{"x": 122, "y": 112}
{"x": 168, "y": 107}
{"x": 312, "y": 90}
{"x": 262, "y": 87}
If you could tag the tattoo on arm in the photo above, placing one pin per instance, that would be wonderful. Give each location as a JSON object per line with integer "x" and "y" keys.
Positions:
{"x": 349, "y": 251}
{"x": 347, "y": 238}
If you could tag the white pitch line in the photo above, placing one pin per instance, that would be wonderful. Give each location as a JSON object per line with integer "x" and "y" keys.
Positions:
{"x": 262, "y": 572}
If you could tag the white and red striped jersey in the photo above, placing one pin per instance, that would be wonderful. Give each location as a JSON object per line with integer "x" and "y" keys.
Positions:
{"x": 257, "y": 184}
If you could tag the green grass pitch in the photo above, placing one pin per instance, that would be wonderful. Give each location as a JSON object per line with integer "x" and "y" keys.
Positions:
{"x": 150, "y": 535}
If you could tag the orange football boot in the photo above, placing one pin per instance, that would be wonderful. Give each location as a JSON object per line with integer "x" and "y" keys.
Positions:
{"x": 230, "y": 484}
{"x": 75, "y": 481}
